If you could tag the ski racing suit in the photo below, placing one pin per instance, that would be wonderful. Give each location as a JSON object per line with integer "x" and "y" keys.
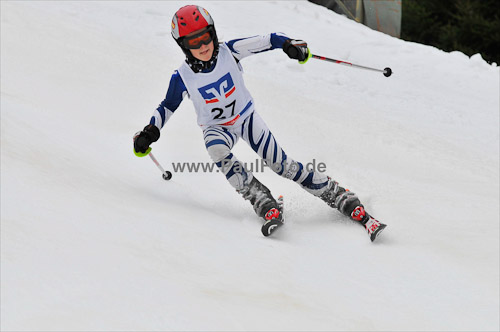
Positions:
{"x": 225, "y": 113}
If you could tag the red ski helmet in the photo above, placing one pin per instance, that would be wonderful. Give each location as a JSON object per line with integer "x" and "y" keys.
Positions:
{"x": 189, "y": 19}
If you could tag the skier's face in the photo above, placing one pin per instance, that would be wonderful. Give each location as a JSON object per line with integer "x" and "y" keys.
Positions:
{"x": 204, "y": 53}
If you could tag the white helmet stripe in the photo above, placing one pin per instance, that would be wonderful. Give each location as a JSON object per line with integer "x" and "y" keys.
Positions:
{"x": 205, "y": 15}
{"x": 175, "y": 27}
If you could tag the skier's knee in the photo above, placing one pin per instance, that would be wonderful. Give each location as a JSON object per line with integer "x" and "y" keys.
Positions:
{"x": 218, "y": 152}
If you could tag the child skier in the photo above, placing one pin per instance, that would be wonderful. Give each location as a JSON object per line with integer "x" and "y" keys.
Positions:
{"x": 212, "y": 78}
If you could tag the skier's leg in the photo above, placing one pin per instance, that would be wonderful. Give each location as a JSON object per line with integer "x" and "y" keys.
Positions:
{"x": 261, "y": 140}
{"x": 219, "y": 142}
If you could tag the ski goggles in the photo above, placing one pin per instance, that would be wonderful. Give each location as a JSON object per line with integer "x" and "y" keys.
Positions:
{"x": 204, "y": 37}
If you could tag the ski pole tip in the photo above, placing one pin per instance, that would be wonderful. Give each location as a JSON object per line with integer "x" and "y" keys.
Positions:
{"x": 167, "y": 175}
{"x": 387, "y": 72}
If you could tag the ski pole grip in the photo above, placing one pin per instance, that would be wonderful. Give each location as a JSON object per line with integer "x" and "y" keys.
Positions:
{"x": 309, "y": 55}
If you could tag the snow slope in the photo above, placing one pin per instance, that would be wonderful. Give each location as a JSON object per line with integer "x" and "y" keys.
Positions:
{"x": 93, "y": 239}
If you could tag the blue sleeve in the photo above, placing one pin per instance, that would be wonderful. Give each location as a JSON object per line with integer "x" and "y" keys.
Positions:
{"x": 175, "y": 94}
{"x": 277, "y": 40}
{"x": 243, "y": 47}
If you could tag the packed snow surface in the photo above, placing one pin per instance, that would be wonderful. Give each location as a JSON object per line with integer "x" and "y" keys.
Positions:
{"x": 92, "y": 238}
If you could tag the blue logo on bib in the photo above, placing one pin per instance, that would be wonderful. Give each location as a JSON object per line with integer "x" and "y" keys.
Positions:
{"x": 213, "y": 92}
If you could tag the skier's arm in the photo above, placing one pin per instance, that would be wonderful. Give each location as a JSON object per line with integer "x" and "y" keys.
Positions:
{"x": 295, "y": 49}
{"x": 175, "y": 94}
{"x": 243, "y": 47}
{"x": 151, "y": 133}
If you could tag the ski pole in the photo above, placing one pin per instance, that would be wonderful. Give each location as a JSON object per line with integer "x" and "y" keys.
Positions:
{"x": 166, "y": 175}
{"x": 386, "y": 71}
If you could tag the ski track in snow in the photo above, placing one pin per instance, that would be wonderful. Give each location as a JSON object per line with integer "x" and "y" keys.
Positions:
{"x": 93, "y": 239}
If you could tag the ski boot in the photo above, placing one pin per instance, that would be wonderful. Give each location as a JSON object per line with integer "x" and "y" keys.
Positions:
{"x": 264, "y": 205}
{"x": 349, "y": 205}
{"x": 372, "y": 225}
{"x": 274, "y": 218}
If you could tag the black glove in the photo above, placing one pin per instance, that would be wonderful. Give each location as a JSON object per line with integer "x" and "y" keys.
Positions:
{"x": 148, "y": 135}
{"x": 296, "y": 49}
